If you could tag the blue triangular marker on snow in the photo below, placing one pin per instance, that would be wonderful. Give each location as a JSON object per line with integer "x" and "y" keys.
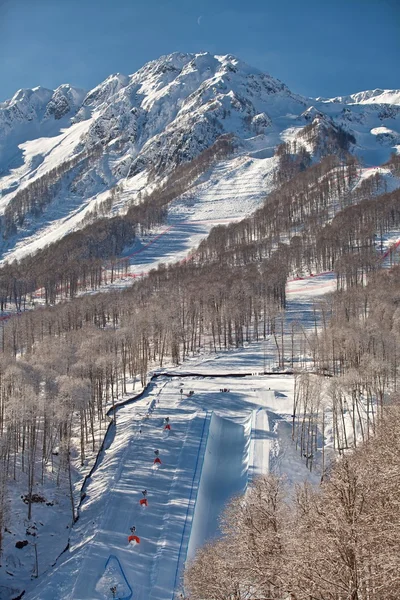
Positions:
{"x": 114, "y": 577}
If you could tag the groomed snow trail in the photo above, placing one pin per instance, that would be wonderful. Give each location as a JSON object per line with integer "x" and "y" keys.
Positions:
{"x": 160, "y": 525}
{"x": 233, "y": 190}
{"x": 187, "y": 488}
{"x": 112, "y": 504}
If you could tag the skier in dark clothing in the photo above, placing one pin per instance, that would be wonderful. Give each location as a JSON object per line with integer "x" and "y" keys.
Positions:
{"x": 156, "y": 452}
{"x": 133, "y": 529}
{"x": 144, "y": 492}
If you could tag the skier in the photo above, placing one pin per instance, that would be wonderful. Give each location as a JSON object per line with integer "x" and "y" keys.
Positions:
{"x": 133, "y": 529}
{"x": 156, "y": 452}
{"x": 167, "y": 420}
{"x": 113, "y": 590}
{"x": 144, "y": 492}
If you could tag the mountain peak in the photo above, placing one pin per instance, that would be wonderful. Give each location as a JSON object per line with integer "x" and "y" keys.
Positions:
{"x": 36, "y": 95}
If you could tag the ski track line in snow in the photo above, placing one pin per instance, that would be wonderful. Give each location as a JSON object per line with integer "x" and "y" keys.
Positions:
{"x": 107, "y": 516}
{"x": 160, "y": 575}
{"x": 184, "y": 451}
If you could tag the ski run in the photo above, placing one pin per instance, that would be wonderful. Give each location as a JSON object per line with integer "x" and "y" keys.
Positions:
{"x": 228, "y": 423}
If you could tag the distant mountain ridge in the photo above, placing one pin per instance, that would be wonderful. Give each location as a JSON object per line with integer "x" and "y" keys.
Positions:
{"x": 377, "y": 96}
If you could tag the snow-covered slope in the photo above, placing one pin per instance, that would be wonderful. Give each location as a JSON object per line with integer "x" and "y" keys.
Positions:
{"x": 218, "y": 442}
{"x": 133, "y": 130}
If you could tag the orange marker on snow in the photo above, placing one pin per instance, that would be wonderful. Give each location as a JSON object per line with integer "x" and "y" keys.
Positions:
{"x": 134, "y": 538}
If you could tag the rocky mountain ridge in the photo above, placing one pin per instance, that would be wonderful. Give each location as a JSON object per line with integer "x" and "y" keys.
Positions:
{"x": 137, "y": 129}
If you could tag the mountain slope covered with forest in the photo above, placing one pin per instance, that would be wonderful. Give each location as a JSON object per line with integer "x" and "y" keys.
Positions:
{"x": 247, "y": 239}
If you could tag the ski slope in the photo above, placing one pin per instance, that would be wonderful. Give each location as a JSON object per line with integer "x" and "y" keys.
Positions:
{"x": 233, "y": 190}
{"x": 160, "y": 523}
{"x": 218, "y": 442}
{"x": 230, "y": 430}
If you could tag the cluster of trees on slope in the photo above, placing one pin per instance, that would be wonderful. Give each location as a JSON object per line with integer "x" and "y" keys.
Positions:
{"x": 325, "y": 140}
{"x": 33, "y": 198}
{"x": 337, "y": 542}
{"x": 394, "y": 164}
{"x": 299, "y": 219}
{"x": 104, "y": 207}
{"x": 357, "y": 347}
{"x": 76, "y": 262}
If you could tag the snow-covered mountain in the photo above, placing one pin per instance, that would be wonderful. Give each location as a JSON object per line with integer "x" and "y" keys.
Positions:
{"x": 136, "y": 129}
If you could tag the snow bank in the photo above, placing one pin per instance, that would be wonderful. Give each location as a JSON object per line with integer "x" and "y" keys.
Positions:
{"x": 224, "y": 475}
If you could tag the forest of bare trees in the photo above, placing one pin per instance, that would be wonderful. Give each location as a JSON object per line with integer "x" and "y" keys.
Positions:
{"x": 319, "y": 221}
{"x": 63, "y": 366}
{"x": 81, "y": 260}
{"x": 340, "y": 541}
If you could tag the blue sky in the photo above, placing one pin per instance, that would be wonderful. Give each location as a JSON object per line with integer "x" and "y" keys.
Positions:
{"x": 318, "y": 48}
